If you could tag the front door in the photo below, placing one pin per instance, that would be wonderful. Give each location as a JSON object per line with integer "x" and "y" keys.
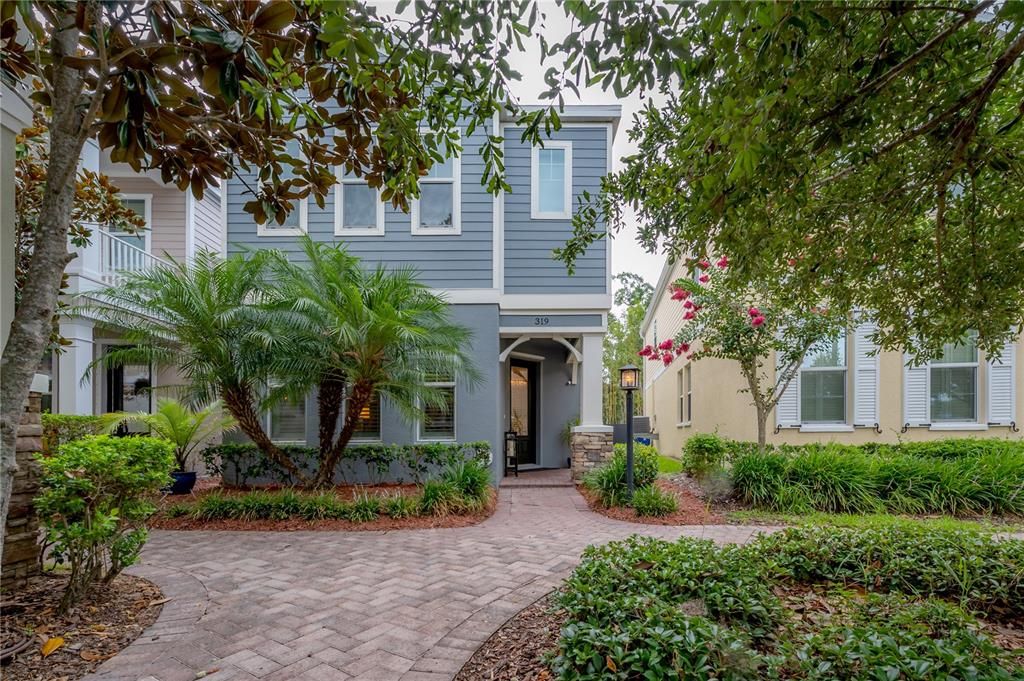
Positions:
{"x": 523, "y": 391}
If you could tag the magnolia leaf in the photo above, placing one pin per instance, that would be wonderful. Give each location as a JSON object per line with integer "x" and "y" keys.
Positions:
{"x": 274, "y": 17}
{"x": 90, "y": 656}
{"x": 610, "y": 663}
{"x": 51, "y": 645}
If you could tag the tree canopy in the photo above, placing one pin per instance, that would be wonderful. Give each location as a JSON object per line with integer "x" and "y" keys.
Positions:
{"x": 866, "y": 154}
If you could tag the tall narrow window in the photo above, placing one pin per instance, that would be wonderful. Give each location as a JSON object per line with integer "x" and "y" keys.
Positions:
{"x": 358, "y": 208}
{"x": 551, "y": 181}
{"x": 823, "y": 383}
{"x": 368, "y": 426}
{"x": 438, "y": 421}
{"x": 127, "y": 251}
{"x": 685, "y": 395}
{"x": 438, "y": 210}
{"x": 287, "y": 421}
{"x": 953, "y": 380}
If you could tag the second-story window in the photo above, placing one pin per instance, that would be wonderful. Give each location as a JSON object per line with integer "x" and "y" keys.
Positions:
{"x": 358, "y": 209}
{"x": 823, "y": 383}
{"x": 438, "y": 210}
{"x": 551, "y": 181}
{"x": 954, "y": 382}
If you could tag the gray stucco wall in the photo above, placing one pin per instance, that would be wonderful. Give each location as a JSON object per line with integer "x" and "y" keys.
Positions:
{"x": 529, "y": 267}
{"x": 559, "y": 401}
{"x": 456, "y": 261}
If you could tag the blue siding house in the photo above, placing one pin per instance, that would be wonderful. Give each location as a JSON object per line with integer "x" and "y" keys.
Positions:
{"x": 537, "y": 330}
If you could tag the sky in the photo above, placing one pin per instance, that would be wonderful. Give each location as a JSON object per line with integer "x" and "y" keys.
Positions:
{"x": 627, "y": 254}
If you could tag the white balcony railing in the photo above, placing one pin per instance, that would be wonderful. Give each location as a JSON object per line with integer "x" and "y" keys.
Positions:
{"x": 118, "y": 256}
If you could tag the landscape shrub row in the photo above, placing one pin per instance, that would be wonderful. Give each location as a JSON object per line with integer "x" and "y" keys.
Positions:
{"x": 242, "y": 464}
{"x": 608, "y": 482}
{"x": 844, "y": 479}
{"x": 897, "y": 604}
{"x": 461, "y": 488}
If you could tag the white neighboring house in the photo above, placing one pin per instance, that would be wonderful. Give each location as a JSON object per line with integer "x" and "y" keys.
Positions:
{"x": 177, "y": 225}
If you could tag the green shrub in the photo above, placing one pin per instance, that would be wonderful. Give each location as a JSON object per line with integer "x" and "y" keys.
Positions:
{"x": 846, "y": 479}
{"x": 652, "y": 501}
{"x": 703, "y": 453}
{"x": 440, "y": 497}
{"x": 649, "y": 609}
{"x": 471, "y": 478}
{"x": 93, "y": 504}
{"x": 401, "y": 506}
{"x": 59, "y": 429}
{"x": 364, "y": 507}
{"x": 609, "y": 480}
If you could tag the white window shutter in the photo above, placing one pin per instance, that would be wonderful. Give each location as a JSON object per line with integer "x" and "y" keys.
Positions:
{"x": 1001, "y": 388}
{"x": 787, "y": 409}
{"x": 865, "y": 376}
{"x": 915, "y": 394}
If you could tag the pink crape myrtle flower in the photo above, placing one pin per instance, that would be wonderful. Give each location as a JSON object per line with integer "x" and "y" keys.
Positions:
{"x": 665, "y": 344}
{"x": 689, "y": 315}
{"x": 688, "y": 304}
{"x": 754, "y": 312}
{"x": 646, "y": 351}
{"x": 757, "y": 321}
{"x": 667, "y": 358}
{"x": 704, "y": 264}
{"x": 679, "y": 294}
{"x": 722, "y": 263}
{"x": 703, "y": 278}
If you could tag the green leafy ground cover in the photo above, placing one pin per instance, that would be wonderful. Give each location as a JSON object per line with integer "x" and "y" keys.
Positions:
{"x": 809, "y": 603}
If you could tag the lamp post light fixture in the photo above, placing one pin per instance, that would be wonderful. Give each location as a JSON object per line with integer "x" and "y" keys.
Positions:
{"x": 629, "y": 381}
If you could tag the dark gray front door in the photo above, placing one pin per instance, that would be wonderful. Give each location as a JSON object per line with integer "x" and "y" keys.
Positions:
{"x": 523, "y": 391}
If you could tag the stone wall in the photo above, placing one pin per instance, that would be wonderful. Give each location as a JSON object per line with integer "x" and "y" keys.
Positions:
{"x": 21, "y": 536}
{"x": 589, "y": 450}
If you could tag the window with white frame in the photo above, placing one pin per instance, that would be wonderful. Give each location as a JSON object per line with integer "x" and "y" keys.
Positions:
{"x": 358, "y": 208}
{"x": 953, "y": 382}
{"x": 438, "y": 210}
{"x": 286, "y": 421}
{"x": 126, "y": 251}
{"x": 368, "y": 425}
{"x": 823, "y": 383}
{"x": 297, "y": 220}
{"x": 438, "y": 420}
{"x": 551, "y": 181}
{"x": 685, "y": 395}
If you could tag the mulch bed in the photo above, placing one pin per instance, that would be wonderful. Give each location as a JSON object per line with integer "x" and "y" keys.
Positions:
{"x": 110, "y": 618}
{"x": 692, "y": 509}
{"x": 516, "y": 651}
{"x": 346, "y": 492}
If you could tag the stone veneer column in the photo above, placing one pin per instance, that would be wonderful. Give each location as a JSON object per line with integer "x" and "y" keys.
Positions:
{"x": 589, "y": 450}
{"x": 21, "y": 536}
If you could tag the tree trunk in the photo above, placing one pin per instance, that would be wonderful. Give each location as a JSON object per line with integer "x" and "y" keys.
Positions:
{"x": 240, "y": 404}
{"x": 33, "y": 320}
{"x": 329, "y": 399}
{"x": 362, "y": 393}
{"x": 762, "y": 428}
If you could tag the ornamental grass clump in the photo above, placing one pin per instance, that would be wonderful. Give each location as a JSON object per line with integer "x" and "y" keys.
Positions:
{"x": 94, "y": 503}
{"x": 652, "y": 501}
{"x": 894, "y": 602}
{"x": 609, "y": 480}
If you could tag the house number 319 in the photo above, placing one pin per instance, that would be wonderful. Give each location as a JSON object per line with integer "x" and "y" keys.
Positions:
{"x": 541, "y": 321}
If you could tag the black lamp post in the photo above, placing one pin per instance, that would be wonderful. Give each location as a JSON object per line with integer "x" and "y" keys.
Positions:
{"x": 629, "y": 380}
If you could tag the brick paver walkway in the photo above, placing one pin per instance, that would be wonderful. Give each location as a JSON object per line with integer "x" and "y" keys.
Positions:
{"x": 315, "y": 606}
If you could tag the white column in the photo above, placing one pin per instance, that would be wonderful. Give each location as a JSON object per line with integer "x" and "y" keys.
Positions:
{"x": 591, "y": 394}
{"x": 75, "y": 396}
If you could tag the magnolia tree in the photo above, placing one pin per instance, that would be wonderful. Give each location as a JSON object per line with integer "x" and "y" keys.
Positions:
{"x": 767, "y": 339}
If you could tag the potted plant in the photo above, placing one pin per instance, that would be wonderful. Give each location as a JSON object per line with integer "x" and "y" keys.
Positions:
{"x": 185, "y": 429}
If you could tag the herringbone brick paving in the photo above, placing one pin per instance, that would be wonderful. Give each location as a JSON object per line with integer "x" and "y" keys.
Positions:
{"x": 330, "y": 606}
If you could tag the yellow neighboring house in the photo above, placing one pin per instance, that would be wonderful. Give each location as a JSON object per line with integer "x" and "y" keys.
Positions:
{"x": 847, "y": 394}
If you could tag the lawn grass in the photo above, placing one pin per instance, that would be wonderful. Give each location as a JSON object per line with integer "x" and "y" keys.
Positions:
{"x": 669, "y": 465}
{"x": 871, "y": 521}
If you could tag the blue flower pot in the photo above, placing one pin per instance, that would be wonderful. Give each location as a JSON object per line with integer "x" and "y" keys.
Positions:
{"x": 183, "y": 483}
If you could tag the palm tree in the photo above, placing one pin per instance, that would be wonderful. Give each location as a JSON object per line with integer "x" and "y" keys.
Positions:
{"x": 359, "y": 333}
{"x": 207, "y": 319}
{"x": 186, "y": 429}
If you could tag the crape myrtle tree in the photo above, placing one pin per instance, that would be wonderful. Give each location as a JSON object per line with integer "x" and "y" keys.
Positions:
{"x": 623, "y": 341}
{"x": 866, "y": 153}
{"x": 195, "y": 89}
{"x": 767, "y": 338}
